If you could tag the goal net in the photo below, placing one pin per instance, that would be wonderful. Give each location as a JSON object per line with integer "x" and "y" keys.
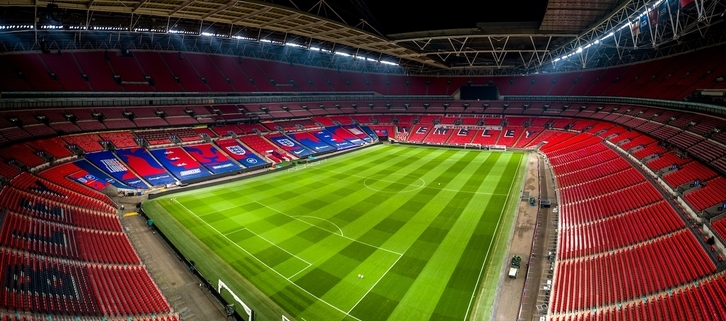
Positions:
{"x": 471, "y": 145}
{"x": 498, "y": 147}
{"x": 221, "y": 285}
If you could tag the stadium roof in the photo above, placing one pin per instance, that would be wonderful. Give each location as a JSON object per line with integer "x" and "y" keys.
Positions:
{"x": 514, "y": 36}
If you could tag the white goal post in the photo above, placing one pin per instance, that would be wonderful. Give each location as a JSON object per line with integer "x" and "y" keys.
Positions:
{"x": 471, "y": 145}
{"x": 221, "y": 285}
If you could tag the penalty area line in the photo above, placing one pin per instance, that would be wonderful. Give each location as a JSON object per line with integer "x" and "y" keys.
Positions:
{"x": 376, "y": 283}
{"x": 265, "y": 264}
{"x": 322, "y": 219}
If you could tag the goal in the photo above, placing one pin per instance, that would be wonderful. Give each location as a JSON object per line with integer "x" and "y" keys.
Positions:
{"x": 221, "y": 285}
{"x": 471, "y": 145}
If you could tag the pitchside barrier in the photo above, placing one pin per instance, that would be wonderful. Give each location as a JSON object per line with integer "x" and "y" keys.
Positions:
{"x": 190, "y": 264}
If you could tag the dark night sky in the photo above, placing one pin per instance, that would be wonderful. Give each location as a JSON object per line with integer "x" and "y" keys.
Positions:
{"x": 423, "y": 16}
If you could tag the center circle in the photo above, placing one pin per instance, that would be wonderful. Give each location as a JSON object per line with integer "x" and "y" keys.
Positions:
{"x": 394, "y": 183}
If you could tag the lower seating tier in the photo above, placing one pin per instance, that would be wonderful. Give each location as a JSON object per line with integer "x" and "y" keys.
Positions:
{"x": 38, "y": 284}
{"x": 702, "y": 301}
{"x": 586, "y": 283}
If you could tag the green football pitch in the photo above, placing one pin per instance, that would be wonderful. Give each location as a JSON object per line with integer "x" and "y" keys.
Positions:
{"x": 389, "y": 232}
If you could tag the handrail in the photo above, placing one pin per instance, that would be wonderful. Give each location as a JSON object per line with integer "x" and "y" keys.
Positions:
{"x": 16, "y": 100}
{"x": 683, "y": 105}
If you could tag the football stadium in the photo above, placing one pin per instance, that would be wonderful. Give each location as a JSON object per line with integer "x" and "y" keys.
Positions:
{"x": 299, "y": 160}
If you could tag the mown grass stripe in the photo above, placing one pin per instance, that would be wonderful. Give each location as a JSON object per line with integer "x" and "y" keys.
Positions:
{"x": 460, "y": 287}
{"x": 323, "y": 281}
{"x": 333, "y": 198}
{"x": 421, "y": 250}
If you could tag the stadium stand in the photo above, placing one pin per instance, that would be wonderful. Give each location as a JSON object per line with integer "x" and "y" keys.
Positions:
{"x": 611, "y": 217}
{"x": 120, "y": 139}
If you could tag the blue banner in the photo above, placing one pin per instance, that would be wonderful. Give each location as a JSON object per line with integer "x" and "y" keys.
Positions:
{"x": 240, "y": 153}
{"x": 313, "y": 142}
{"x": 371, "y": 133}
{"x": 334, "y": 140}
{"x": 290, "y": 145}
{"x": 110, "y": 164}
{"x": 179, "y": 163}
{"x": 90, "y": 176}
{"x": 343, "y": 133}
{"x": 358, "y": 132}
{"x": 213, "y": 159}
{"x": 145, "y": 165}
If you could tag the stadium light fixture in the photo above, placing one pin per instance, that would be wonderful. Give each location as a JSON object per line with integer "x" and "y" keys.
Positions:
{"x": 290, "y": 44}
{"x": 612, "y": 33}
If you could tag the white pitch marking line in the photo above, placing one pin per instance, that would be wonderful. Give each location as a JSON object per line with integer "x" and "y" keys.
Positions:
{"x": 275, "y": 245}
{"x": 374, "y": 284}
{"x": 423, "y": 184}
{"x": 443, "y": 189}
{"x": 486, "y": 256}
{"x": 235, "y": 231}
{"x": 265, "y": 264}
{"x": 322, "y": 219}
{"x": 298, "y": 272}
{"x": 345, "y": 237}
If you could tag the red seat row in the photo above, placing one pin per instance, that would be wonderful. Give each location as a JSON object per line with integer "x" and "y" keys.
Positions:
{"x": 87, "y": 142}
{"x": 719, "y": 227}
{"x": 619, "y": 231}
{"x": 64, "y": 241}
{"x": 600, "y": 186}
{"x": 587, "y": 283}
{"x": 614, "y": 203}
{"x": 31, "y": 205}
{"x": 666, "y": 160}
{"x": 597, "y": 171}
{"x": 58, "y": 175}
{"x": 649, "y": 150}
{"x": 45, "y": 285}
{"x": 688, "y": 173}
{"x": 46, "y": 189}
{"x": 701, "y": 302}
{"x": 126, "y": 290}
{"x": 642, "y": 140}
{"x": 713, "y": 193}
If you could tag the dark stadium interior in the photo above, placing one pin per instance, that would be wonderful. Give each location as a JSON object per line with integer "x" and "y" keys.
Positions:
{"x": 623, "y": 102}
